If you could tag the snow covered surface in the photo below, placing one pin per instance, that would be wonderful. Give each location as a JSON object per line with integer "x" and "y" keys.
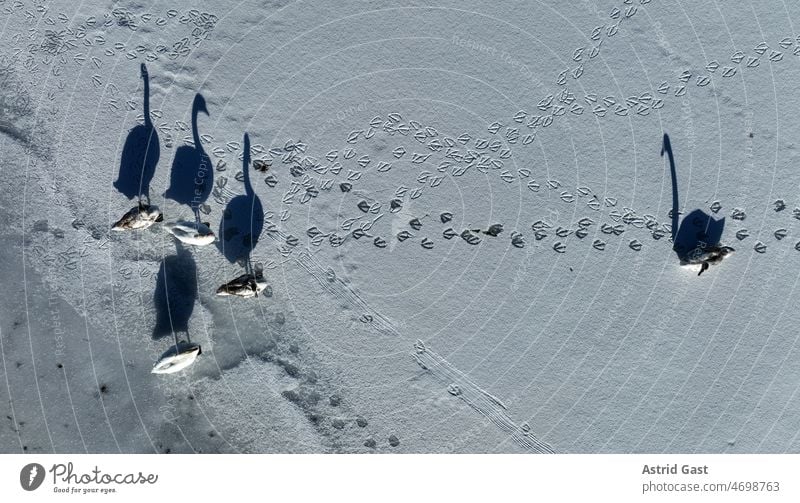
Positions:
{"x": 377, "y": 333}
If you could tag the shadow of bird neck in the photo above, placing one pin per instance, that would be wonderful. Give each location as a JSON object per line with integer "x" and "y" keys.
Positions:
{"x": 667, "y": 149}
{"x": 248, "y": 186}
{"x": 195, "y": 133}
{"x": 147, "y": 121}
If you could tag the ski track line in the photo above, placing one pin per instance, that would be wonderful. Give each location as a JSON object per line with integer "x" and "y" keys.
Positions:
{"x": 338, "y": 288}
{"x": 458, "y": 384}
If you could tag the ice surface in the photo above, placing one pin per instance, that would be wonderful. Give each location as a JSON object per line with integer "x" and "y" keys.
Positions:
{"x": 485, "y": 177}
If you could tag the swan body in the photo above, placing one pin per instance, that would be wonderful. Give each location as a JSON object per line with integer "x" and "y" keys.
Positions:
{"x": 138, "y": 218}
{"x": 702, "y": 258}
{"x": 246, "y": 285}
{"x": 193, "y": 233}
{"x": 178, "y": 358}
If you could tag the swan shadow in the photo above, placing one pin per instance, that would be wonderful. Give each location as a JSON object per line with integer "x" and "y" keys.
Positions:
{"x": 140, "y": 153}
{"x": 175, "y": 293}
{"x": 192, "y": 176}
{"x": 698, "y": 229}
{"x": 243, "y": 219}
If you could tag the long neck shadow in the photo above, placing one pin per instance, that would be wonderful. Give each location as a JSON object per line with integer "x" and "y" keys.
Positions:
{"x": 192, "y": 176}
{"x": 243, "y": 219}
{"x": 148, "y": 121}
{"x": 697, "y": 229}
{"x": 666, "y": 147}
{"x": 246, "y": 159}
{"x": 140, "y": 154}
{"x": 175, "y": 294}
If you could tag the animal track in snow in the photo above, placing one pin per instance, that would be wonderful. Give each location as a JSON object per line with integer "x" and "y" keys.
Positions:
{"x": 484, "y": 403}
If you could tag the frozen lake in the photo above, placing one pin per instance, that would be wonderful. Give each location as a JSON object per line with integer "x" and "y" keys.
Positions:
{"x": 469, "y": 218}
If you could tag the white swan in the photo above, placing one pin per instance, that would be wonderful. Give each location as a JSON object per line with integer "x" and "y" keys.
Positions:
{"x": 177, "y": 358}
{"x": 246, "y": 285}
{"x": 198, "y": 234}
{"x": 701, "y": 257}
{"x": 138, "y": 218}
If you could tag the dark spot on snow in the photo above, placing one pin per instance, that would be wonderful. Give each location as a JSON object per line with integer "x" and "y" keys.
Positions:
{"x": 311, "y": 377}
{"x": 370, "y": 442}
{"x": 361, "y": 422}
{"x": 103, "y": 388}
{"x": 60, "y": 366}
{"x": 394, "y": 441}
{"x": 338, "y": 424}
{"x": 335, "y": 400}
{"x": 291, "y": 395}
{"x": 40, "y": 226}
{"x": 212, "y": 434}
{"x": 312, "y": 398}
{"x": 290, "y": 369}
